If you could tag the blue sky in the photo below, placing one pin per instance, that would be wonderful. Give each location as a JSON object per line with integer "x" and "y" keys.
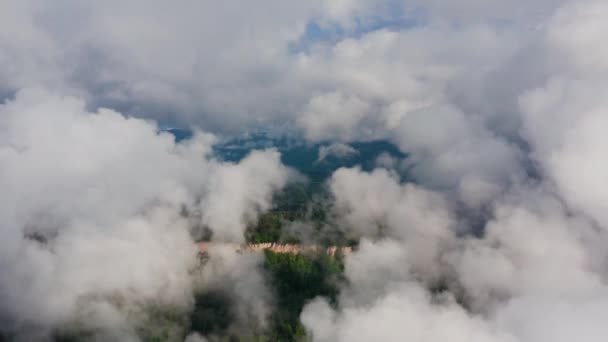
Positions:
{"x": 397, "y": 19}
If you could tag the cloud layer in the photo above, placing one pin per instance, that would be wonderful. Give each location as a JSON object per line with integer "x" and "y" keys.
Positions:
{"x": 93, "y": 220}
{"x": 500, "y": 234}
{"x": 537, "y": 272}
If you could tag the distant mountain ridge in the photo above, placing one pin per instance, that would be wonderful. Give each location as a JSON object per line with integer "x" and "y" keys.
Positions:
{"x": 301, "y": 155}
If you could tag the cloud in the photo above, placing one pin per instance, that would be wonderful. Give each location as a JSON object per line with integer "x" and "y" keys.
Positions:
{"x": 124, "y": 60}
{"x": 397, "y": 85}
{"x": 239, "y": 192}
{"x": 238, "y": 275}
{"x": 375, "y": 205}
{"x": 564, "y": 121}
{"x": 93, "y": 225}
{"x": 194, "y": 337}
{"x": 403, "y": 314}
{"x": 535, "y": 272}
{"x": 416, "y": 281}
{"x": 233, "y": 66}
{"x": 337, "y": 150}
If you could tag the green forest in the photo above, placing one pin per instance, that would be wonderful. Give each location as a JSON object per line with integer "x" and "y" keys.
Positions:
{"x": 293, "y": 279}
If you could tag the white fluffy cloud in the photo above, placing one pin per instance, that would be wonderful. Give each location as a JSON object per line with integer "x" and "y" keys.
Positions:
{"x": 375, "y": 205}
{"x": 337, "y": 150}
{"x": 232, "y": 65}
{"x": 536, "y": 273}
{"x": 92, "y": 220}
{"x": 564, "y": 121}
{"x": 535, "y": 260}
{"x": 405, "y": 314}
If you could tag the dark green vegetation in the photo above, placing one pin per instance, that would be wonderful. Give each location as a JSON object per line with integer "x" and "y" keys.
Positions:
{"x": 305, "y": 201}
{"x": 212, "y": 313}
{"x": 301, "y": 202}
{"x": 271, "y": 227}
{"x": 297, "y": 279}
{"x": 268, "y": 228}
